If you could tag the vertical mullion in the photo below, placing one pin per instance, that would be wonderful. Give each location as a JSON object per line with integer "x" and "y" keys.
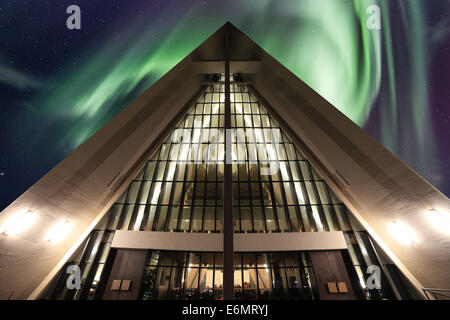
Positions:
{"x": 199, "y": 272}
{"x": 260, "y": 181}
{"x": 286, "y": 276}
{"x": 185, "y": 183}
{"x": 238, "y": 169}
{"x": 270, "y": 183}
{"x": 291, "y": 181}
{"x": 312, "y": 221}
{"x": 228, "y": 254}
{"x": 206, "y": 161}
{"x": 283, "y": 192}
{"x": 319, "y": 206}
{"x": 186, "y": 261}
{"x": 257, "y": 276}
{"x": 122, "y": 211}
{"x": 177, "y": 172}
{"x": 138, "y": 196}
{"x": 148, "y": 204}
{"x": 332, "y": 209}
{"x": 158, "y": 266}
{"x": 146, "y": 210}
{"x": 194, "y": 168}
{"x": 242, "y": 276}
{"x": 170, "y": 280}
{"x": 247, "y": 162}
{"x": 217, "y": 162}
{"x": 269, "y": 258}
{"x": 195, "y": 162}
{"x": 301, "y": 225}
{"x": 214, "y": 274}
{"x": 170, "y": 205}
{"x": 161, "y": 192}
{"x": 216, "y": 184}
{"x": 303, "y": 189}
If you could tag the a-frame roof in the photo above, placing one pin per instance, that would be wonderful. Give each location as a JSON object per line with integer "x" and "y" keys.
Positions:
{"x": 375, "y": 185}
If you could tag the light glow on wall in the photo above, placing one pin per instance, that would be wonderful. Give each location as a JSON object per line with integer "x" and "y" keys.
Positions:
{"x": 402, "y": 233}
{"x": 439, "y": 220}
{"x": 59, "y": 231}
{"x": 18, "y": 223}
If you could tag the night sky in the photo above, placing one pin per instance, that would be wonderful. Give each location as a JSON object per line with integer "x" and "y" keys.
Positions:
{"x": 59, "y": 86}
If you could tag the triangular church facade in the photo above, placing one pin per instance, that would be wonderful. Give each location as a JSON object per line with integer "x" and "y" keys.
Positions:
{"x": 229, "y": 178}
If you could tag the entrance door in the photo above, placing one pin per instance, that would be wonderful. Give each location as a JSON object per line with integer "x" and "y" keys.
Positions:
{"x": 332, "y": 279}
{"x": 126, "y": 275}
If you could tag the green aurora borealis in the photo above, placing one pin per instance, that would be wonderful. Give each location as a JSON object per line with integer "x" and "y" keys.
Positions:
{"x": 328, "y": 46}
{"x": 341, "y": 60}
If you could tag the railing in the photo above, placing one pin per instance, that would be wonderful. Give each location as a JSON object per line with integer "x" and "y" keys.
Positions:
{"x": 437, "y": 294}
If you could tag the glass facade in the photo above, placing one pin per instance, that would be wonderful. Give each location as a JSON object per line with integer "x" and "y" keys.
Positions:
{"x": 274, "y": 275}
{"x": 198, "y": 276}
{"x": 275, "y": 188}
{"x": 181, "y": 186}
{"x": 182, "y": 275}
{"x": 180, "y": 189}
